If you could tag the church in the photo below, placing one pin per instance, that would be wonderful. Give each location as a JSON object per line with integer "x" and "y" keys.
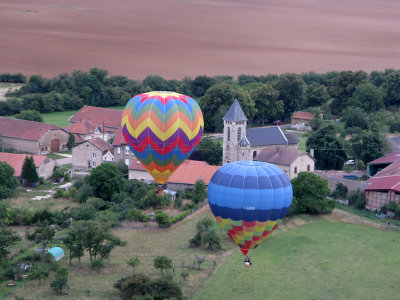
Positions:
{"x": 268, "y": 144}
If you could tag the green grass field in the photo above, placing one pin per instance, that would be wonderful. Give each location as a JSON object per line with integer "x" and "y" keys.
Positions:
{"x": 60, "y": 118}
{"x": 320, "y": 260}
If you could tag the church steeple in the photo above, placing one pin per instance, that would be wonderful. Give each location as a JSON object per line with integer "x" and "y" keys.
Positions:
{"x": 235, "y": 113}
{"x": 235, "y": 123}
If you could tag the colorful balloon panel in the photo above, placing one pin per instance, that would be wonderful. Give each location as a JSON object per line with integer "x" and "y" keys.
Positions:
{"x": 162, "y": 129}
{"x": 249, "y": 199}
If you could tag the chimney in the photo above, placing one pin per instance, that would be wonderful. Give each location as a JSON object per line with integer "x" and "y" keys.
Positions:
{"x": 312, "y": 152}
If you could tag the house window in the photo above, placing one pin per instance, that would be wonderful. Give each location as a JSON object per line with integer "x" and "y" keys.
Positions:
{"x": 119, "y": 150}
{"x": 94, "y": 164}
{"x": 127, "y": 161}
{"x": 254, "y": 154}
{"x": 127, "y": 150}
{"x": 229, "y": 133}
{"x": 239, "y": 134}
{"x": 89, "y": 164}
{"x": 94, "y": 154}
{"x": 308, "y": 168}
{"x": 295, "y": 170}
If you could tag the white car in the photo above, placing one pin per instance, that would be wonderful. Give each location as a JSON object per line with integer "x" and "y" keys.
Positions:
{"x": 349, "y": 162}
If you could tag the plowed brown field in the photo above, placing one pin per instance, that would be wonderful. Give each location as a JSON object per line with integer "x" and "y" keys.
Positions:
{"x": 175, "y": 38}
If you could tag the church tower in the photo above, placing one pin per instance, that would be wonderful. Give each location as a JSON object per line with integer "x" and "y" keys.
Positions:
{"x": 235, "y": 146}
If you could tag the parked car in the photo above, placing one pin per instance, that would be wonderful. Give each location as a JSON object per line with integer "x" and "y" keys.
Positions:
{"x": 277, "y": 122}
{"x": 349, "y": 162}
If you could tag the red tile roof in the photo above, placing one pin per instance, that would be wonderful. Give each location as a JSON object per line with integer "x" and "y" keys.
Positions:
{"x": 100, "y": 143}
{"x": 385, "y": 184}
{"x": 82, "y": 127}
{"x": 17, "y": 160}
{"x": 190, "y": 172}
{"x": 136, "y": 165}
{"x": 98, "y": 115}
{"x": 284, "y": 157}
{"x": 303, "y": 115}
{"x": 23, "y": 129}
{"x": 119, "y": 138}
{"x": 389, "y": 158}
{"x": 391, "y": 170}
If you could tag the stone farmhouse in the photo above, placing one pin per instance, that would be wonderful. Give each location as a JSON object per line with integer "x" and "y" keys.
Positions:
{"x": 107, "y": 120}
{"x": 240, "y": 143}
{"x": 302, "y": 117}
{"x": 289, "y": 160}
{"x": 32, "y": 137}
{"x": 44, "y": 165}
{"x": 121, "y": 149}
{"x": 91, "y": 153}
{"x": 85, "y": 130}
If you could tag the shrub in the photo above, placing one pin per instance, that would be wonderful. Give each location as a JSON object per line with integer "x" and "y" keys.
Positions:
{"x": 162, "y": 219}
{"x": 188, "y": 193}
{"x": 340, "y": 191}
{"x": 178, "y": 202}
{"x": 397, "y": 212}
{"x": 137, "y": 215}
{"x": 97, "y": 264}
{"x": 59, "y": 194}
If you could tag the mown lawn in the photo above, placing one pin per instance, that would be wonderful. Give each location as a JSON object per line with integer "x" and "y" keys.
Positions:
{"x": 320, "y": 260}
{"x": 146, "y": 244}
{"x": 60, "y": 118}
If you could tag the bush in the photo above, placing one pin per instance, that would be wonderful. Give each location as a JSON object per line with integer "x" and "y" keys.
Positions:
{"x": 97, "y": 264}
{"x": 397, "y": 212}
{"x": 162, "y": 219}
{"x": 137, "y": 215}
{"x": 59, "y": 194}
{"x": 178, "y": 202}
{"x": 188, "y": 193}
{"x": 310, "y": 195}
{"x": 340, "y": 191}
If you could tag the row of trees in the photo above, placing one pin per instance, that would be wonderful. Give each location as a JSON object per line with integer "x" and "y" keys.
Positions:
{"x": 263, "y": 98}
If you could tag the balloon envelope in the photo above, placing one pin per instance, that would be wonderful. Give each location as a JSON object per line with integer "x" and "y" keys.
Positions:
{"x": 162, "y": 129}
{"x": 249, "y": 199}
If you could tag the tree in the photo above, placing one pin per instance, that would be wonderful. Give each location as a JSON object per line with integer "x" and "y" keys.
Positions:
{"x": 8, "y": 238}
{"x": 162, "y": 219}
{"x": 216, "y": 102}
{"x": 291, "y": 88}
{"x": 29, "y": 170}
{"x": 211, "y": 149}
{"x": 74, "y": 242}
{"x": 328, "y": 148}
{"x": 205, "y": 235}
{"x": 368, "y": 146}
{"x": 8, "y": 183}
{"x": 58, "y": 284}
{"x": 315, "y": 95}
{"x": 199, "y": 259}
{"x": 368, "y": 97}
{"x": 162, "y": 263}
{"x": 71, "y": 141}
{"x": 310, "y": 195}
{"x": 30, "y": 115}
{"x": 106, "y": 180}
{"x": 267, "y": 103}
{"x": 133, "y": 262}
{"x": 200, "y": 191}
{"x": 355, "y": 117}
{"x": 42, "y": 236}
{"x": 392, "y": 86}
{"x": 123, "y": 168}
{"x": 201, "y": 84}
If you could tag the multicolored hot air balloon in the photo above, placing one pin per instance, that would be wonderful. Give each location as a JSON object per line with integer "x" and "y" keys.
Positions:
{"x": 162, "y": 129}
{"x": 249, "y": 199}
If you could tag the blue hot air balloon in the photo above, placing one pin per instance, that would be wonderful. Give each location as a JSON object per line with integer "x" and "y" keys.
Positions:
{"x": 249, "y": 199}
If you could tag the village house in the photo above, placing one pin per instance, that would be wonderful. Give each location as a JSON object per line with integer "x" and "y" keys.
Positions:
{"x": 384, "y": 186}
{"x": 32, "y": 137}
{"x": 240, "y": 143}
{"x": 184, "y": 177}
{"x": 302, "y": 117}
{"x": 291, "y": 161}
{"x": 86, "y": 130}
{"x": 121, "y": 149}
{"x": 381, "y": 163}
{"x": 44, "y": 165}
{"x": 91, "y": 153}
{"x": 107, "y": 120}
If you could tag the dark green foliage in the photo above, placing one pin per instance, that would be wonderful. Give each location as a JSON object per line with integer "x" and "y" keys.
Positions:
{"x": 106, "y": 180}
{"x": 151, "y": 199}
{"x": 355, "y": 117}
{"x": 139, "y": 286}
{"x": 8, "y": 238}
{"x": 30, "y": 115}
{"x": 122, "y": 167}
{"x": 368, "y": 146}
{"x": 58, "y": 173}
{"x": 83, "y": 212}
{"x": 178, "y": 202}
{"x": 199, "y": 192}
{"x": 206, "y": 235}
{"x": 162, "y": 263}
{"x": 71, "y": 141}
{"x": 291, "y": 88}
{"x": 84, "y": 192}
{"x": 8, "y": 183}
{"x": 42, "y": 236}
{"x": 368, "y": 97}
{"x": 328, "y": 148}
{"x": 267, "y": 103}
{"x": 137, "y": 215}
{"x": 12, "y": 78}
{"x": 315, "y": 95}
{"x": 392, "y": 86}
{"x": 133, "y": 262}
{"x": 394, "y": 126}
{"x": 211, "y": 149}
{"x": 162, "y": 219}
{"x": 340, "y": 191}
{"x": 29, "y": 170}
{"x": 97, "y": 264}
{"x": 188, "y": 193}
{"x": 58, "y": 284}
{"x": 310, "y": 195}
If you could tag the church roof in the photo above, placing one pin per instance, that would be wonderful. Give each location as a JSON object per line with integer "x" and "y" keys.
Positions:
{"x": 244, "y": 142}
{"x": 266, "y": 136}
{"x": 235, "y": 113}
{"x": 278, "y": 156}
{"x": 292, "y": 139}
